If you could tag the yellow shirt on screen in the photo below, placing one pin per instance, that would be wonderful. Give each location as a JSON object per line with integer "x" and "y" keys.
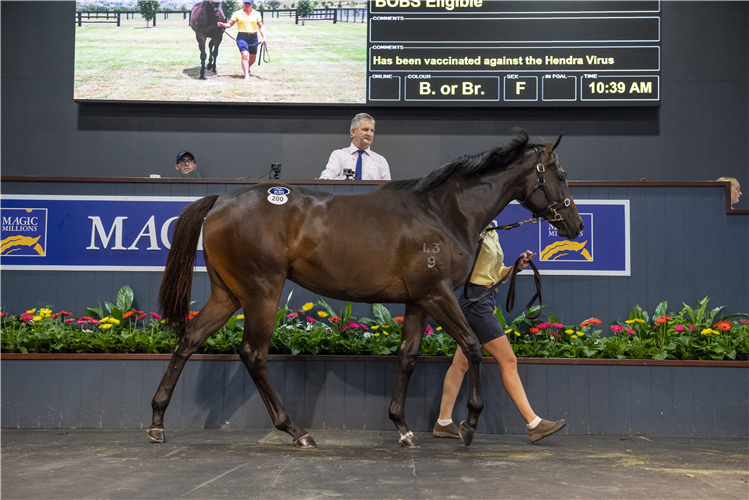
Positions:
{"x": 489, "y": 265}
{"x": 246, "y": 23}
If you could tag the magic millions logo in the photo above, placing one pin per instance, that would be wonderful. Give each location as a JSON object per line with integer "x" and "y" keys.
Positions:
{"x": 23, "y": 232}
{"x": 556, "y": 248}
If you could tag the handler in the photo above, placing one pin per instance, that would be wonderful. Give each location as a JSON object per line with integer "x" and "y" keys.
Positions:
{"x": 250, "y": 22}
{"x": 487, "y": 274}
{"x": 366, "y": 164}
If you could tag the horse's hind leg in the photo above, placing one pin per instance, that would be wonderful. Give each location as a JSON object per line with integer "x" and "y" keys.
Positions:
{"x": 221, "y": 305}
{"x": 213, "y": 58}
{"x": 201, "y": 43}
{"x": 253, "y": 351}
{"x": 413, "y": 328}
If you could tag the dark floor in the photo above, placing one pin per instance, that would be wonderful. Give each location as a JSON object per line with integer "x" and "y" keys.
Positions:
{"x": 366, "y": 464}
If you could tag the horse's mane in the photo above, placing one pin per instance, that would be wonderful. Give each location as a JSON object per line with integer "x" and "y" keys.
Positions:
{"x": 468, "y": 165}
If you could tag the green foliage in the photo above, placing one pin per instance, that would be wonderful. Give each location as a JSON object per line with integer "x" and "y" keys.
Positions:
{"x": 229, "y": 7}
{"x": 148, "y": 9}
{"x": 694, "y": 333}
{"x": 303, "y": 9}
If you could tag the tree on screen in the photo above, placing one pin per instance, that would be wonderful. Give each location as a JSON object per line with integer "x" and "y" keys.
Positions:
{"x": 229, "y": 7}
{"x": 147, "y": 9}
{"x": 274, "y": 4}
{"x": 304, "y": 9}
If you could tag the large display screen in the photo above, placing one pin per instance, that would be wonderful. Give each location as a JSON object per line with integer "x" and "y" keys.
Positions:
{"x": 387, "y": 53}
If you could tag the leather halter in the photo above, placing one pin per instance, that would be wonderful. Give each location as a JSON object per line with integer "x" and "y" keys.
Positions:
{"x": 541, "y": 184}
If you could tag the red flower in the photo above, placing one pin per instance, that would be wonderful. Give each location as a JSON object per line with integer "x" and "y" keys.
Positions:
{"x": 66, "y": 313}
{"x": 128, "y": 314}
{"x": 155, "y": 316}
{"x": 334, "y": 319}
{"x": 585, "y": 323}
{"x": 724, "y": 325}
{"x": 191, "y": 315}
{"x": 663, "y": 319}
{"x": 138, "y": 312}
{"x": 27, "y": 317}
{"x": 534, "y": 330}
{"x": 429, "y": 330}
{"x": 399, "y": 319}
{"x": 141, "y": 317}
{"x": 56, "y": 315}
{"x": 595, "y": 321}
{"x": 3, "y": 315}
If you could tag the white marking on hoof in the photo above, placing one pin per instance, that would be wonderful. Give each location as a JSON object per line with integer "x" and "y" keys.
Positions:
{"x": 405, "y": 436}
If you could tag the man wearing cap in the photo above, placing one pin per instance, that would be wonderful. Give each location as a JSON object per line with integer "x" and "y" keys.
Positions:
{"x": 249, "y": 23}
{"x": 186, "y": 166}
{"x": 365, "y": 163}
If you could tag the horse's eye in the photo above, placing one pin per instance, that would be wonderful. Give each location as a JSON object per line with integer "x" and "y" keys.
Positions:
{"x": 562, "y": 179}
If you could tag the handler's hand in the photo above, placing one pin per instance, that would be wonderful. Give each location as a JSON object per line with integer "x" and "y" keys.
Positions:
{"x": 525, "y": 257}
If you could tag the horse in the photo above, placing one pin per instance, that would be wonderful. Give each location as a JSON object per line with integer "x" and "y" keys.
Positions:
{"x": 203, "y": 21}
{"x": 255, "y": 238}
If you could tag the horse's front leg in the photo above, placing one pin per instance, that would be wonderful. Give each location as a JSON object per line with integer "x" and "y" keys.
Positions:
{"x": 445, "y": 309}
{"x": 212, "y": 317}
{"x": 201, "y": 43}
{"x": 213, "y": 63}
{"x": 413, "y": 329}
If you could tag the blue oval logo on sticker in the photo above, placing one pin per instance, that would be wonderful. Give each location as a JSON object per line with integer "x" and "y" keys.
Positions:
{"x": 279, "y": 191}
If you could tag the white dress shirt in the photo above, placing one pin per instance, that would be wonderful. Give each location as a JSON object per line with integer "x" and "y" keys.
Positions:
{"x": 374, "y": 167}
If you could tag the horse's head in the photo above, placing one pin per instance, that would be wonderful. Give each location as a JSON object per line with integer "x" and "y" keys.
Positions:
{"x": 546, "y": 193}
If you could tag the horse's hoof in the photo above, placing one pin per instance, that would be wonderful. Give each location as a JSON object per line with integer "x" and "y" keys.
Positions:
{"x": 156, "y": 434}
{"x": 305, "y": 441}
{"x": 202, "y": 77}
{"x": 410, "y": 441}
{"x": 466, "y": 434}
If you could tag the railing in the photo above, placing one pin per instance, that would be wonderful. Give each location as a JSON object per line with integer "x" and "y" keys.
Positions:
{"x": 115, "y": 16}
{"x": 336, "y": 15}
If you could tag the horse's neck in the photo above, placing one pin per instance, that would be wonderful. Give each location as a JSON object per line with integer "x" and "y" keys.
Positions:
{"x": 480, "y": 201}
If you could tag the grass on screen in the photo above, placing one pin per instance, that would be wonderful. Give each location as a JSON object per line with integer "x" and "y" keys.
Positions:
{"x": 319, "y": 62}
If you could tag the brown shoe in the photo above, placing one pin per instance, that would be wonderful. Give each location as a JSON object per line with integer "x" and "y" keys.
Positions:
{"x": 545, "y": 428}
{"x": 446, "y": 431}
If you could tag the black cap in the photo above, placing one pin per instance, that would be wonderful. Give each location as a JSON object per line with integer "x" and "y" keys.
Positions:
{"x": 183, "y": 153}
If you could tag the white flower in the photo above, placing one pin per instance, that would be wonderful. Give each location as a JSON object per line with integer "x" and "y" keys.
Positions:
{"x": 368, "y": 335}
{"x": 289, "y": 327}
{"x": 309, "y": 326}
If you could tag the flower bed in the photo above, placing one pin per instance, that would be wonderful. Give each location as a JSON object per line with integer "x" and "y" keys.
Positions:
{"x": 694, "y": 333}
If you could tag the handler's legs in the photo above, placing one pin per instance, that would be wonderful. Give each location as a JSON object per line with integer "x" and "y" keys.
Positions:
{"x": 246, "y": 63}
{"x": 451, "y": 386}
{"x": 501, "y": 350}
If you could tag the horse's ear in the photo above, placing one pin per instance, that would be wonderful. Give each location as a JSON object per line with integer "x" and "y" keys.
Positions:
{"x": 550, "y": 149}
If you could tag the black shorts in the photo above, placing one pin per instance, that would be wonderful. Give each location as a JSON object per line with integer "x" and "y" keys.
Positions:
{"x": 247, "y": 42}
{"x": 480, "y": 315}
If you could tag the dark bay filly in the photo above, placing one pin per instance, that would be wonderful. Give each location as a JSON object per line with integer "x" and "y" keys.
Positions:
{"x": 203, "y": 21}
{"x": 253, "y": 242}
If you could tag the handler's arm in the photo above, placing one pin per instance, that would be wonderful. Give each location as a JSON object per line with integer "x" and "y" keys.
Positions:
{"x": 261, "y": 29}
{"x": 227, "y": 25}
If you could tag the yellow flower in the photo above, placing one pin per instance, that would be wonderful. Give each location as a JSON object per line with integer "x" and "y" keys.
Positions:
{"x": 308, "y": 306}
{"x": 375, "y": 327}
{"x": 240, "y": 316}
{"x": 384, "y": 326}
{"x": 439, "y": 328}
{"x": 630, "y": 321}
{"x": 37, "y": 318}
{"x": 45, "y": 313}
{"x": 517, "y": 334}
{"x": 569, "y": 332}
{"x": 377, "y": 334}
{"x": 163, "y": 321}
{"x": 508, "y": 331}
{"x": 580, "y": 334}
{"x": 639, "y": 320}
{"x": 709, "y": 332}
{"x": 105, "y": 325}
{"x": 32, "y": 311}
{"x": 322, "y": 314}
{"x": 385, "y": 333}
{"x": 573, "y": 337}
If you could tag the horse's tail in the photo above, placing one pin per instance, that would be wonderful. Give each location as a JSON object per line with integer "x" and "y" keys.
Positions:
{"x": 174, "y": 294}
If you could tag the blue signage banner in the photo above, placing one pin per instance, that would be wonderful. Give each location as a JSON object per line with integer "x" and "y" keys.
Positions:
{"x": 133, "y": 233}
{"x": 602, "y": 249}
{"x": 89, "y": 233}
